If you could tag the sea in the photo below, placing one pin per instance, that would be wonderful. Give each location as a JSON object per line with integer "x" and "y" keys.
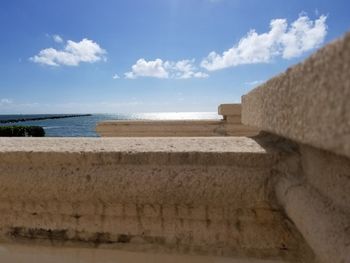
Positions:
{"x": 86, "y": 126}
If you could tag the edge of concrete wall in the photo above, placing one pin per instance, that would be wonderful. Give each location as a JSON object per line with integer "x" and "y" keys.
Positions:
{"x": 309, "y": 103}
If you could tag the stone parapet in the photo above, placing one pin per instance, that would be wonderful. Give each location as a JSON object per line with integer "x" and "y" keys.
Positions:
{"x": 44, "y": 254}
{"x": 189, "y": 195}
{"x": 309, "y": 103}
{"x": 230, "y": 110}
{"x": 173, "y": 128}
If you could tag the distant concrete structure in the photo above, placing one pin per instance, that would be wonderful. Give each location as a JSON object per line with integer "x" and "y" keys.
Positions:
{"x": 230, "y": 125}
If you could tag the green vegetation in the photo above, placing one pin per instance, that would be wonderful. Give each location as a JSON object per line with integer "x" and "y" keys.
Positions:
{"x": 21, "y": 131}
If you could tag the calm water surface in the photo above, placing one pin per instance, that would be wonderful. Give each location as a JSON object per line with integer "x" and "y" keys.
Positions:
{"x": 86, "y": 126}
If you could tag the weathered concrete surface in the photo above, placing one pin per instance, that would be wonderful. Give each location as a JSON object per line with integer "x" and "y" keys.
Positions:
{"x": 329, "y": 174}
{"x": 309, "y": 103}
{"x": 169, "y": 171}
{"x": 230, "y": 110}
{"x": 42, "y": 254}
{"x": 193, "y": 128}
{"x": 190, "y": 195}
{"x": 237, "y": 146}
{"x": 325, "y": 228}
{"x": 313, "y": 187}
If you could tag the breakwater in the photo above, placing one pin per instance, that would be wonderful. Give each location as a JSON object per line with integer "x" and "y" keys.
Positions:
{"x": 44, "y": 118}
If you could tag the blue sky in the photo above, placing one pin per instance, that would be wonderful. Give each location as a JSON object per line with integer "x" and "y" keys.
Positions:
{"x": 152, "y": 55}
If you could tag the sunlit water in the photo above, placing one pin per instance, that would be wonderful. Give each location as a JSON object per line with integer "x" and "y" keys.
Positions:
{"x": 86, "y": 126}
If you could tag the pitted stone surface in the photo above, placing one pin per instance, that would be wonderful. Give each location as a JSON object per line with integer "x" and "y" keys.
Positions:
{"x": 42, "y": 254}
{"x": 324, "y": 227}
{"x": 128, "y": 145}
{"x": 329, "y": 174}
{"x": 178, "y": 128}
{"x": 230, "y": 109}
{"x": 309, "y": 103}
{"x": 189, "y": 195}
{"x": 151, "y": 170}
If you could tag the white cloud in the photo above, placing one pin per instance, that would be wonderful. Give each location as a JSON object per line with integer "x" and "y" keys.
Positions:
{"x": 72, "y": 55}
{"x": 57, "y": 38}
{"x": 143, "y": 68}
{"x": 5, "y": 102}
{"x": 289, "y": 42}
{"x": 183, "y": 69}
{"x": 303, "y": 35}
{"x": 116, "y": 76}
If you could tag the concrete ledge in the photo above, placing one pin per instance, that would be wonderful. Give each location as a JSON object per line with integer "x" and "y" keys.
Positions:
{"x": 215, "y": 128}
{"x": 82, "y": 169}
{"x": 193, "y": 195}
{"x": 189, "y": 128}
{"x": 309, "y": 103}
{"x": 42, "y": 254}
{"x": 230, "y": 110}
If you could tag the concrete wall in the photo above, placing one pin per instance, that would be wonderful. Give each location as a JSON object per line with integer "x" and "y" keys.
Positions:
{"x": 314, "y": 196}
{"x": 309, "y": 104}
{"x": 189, "y": 195}
{"x": 45, "y": 254}
{"x": 230, "y": 125}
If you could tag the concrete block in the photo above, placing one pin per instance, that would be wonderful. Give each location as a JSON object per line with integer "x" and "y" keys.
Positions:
{"x": 234, "y": 119}
{"x": 230, "y": 109}
{"x": 179, "y": 128}
{"x": 309, "y": 103}
{"x": 191, "y": 195}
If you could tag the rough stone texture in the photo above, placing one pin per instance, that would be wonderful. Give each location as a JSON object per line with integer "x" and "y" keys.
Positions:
{"x": 313, "y": 187}
{"x": 235, "y": 119}
{"x": 206, "y": 196}
{"x": 237, "y": 146}
{"x": 194, "y": 128}
{"x": 217, "y": 128}
{"x": 42, "y": 254}
{"x": 325, "y": 228}
{"x": 230, "y": 110}
{"x": 309, "y": 103}
{"x": 233, "y": 129}
{"x": 329, "y": 174}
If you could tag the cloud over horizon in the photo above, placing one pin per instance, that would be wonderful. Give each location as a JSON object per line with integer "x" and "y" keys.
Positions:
{"x": 282, "y": 40}
{"x": 73, "y": 54}
{"x": 5, "y": 101}
{"x": 182, "y": 69}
